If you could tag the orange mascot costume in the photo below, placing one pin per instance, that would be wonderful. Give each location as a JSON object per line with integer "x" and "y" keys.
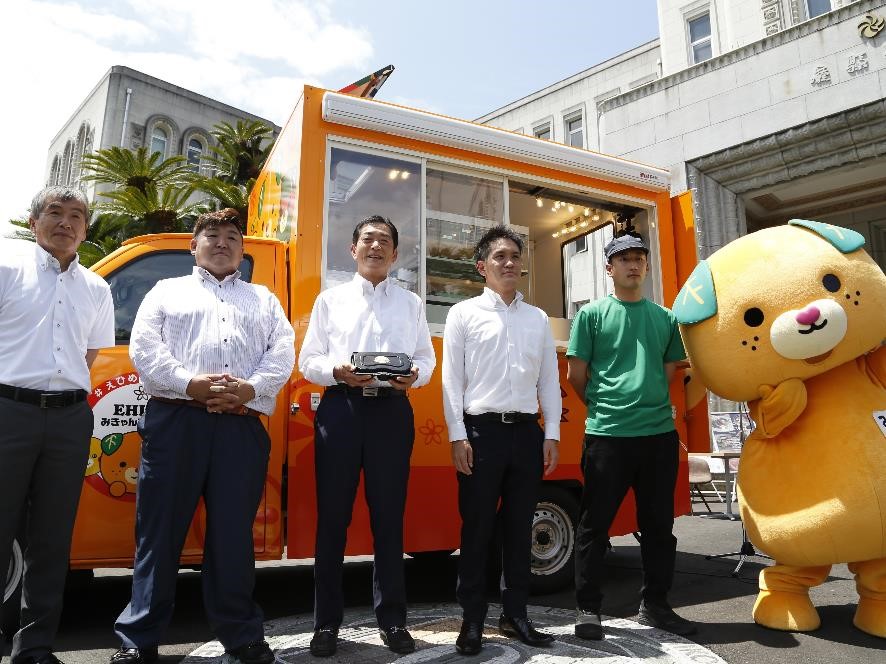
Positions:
{"x": 792, "y": 319}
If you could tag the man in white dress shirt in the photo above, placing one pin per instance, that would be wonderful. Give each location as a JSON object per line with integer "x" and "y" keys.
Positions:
{"x": 213, "y": 351}
{"x": 56, "y": 316}
{"x": 499, "y": 364}
{"x": 366, "y": 424}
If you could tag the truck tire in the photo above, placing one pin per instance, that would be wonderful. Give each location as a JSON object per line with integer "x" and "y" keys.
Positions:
{"x": 553, "y": 540}
{"x": 12, "y": 592}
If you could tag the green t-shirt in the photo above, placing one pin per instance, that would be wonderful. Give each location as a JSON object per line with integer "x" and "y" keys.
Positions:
{"x": 626, "y": 345}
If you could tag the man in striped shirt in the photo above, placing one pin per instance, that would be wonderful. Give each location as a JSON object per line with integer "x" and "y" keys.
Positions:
{"x": 213, "y": 352}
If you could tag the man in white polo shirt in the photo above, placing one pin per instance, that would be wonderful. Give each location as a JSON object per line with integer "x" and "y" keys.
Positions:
{"x": 56, "y": 316}
{"x": 499, "y": 365}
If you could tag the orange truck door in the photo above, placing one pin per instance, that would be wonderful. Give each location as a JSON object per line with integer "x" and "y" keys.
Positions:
{"x": 103, "y": 533}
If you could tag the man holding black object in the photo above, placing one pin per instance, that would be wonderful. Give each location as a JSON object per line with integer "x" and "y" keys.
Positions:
{"x": 623, "y": 351}
{"x": 364, "y": 423}
{"x": 499, "y": 364}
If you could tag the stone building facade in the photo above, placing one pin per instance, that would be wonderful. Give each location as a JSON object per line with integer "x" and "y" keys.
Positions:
{"x": 765, "y": 109}
{"x": 131, "y": 109}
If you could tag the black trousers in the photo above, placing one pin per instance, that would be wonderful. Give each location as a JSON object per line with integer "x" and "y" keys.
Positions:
{"x": 508, "y": 466}
{"x": 188, "y": 453}
{"x": 352, "y": 432}
{"x": 611, "y": 465}
{"x": 43, "y": 455}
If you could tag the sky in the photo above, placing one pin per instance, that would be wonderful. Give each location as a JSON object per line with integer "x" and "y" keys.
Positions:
{"x": 462, "y": 58}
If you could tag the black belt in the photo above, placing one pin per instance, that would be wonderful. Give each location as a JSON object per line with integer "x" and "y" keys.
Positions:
{"x": 368, "y": 392}
{"x": 56, "y": 399}
{"x": 505, "y": 418}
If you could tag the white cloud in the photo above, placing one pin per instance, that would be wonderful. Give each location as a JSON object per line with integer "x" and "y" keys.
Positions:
{"x": 255, "y": 57}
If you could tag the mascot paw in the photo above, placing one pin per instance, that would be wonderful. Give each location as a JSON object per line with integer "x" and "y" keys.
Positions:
{"x": 870, "y": 616}
{"x": 790, "y": 612}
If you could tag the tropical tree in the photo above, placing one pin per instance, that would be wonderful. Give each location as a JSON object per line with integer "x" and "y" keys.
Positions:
{"x": 154, "y": 210}
{"x": 150, "y": 193}
{"x": 105, "y": 233}
{"x": 240, "y": 151}
{"x": 138, "y": 169}
{"x": 238, "y": 157}
{"x": 23, "y": 229}
{"x": 224, "y": 195}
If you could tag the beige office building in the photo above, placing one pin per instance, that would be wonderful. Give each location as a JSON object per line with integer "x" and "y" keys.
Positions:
{"x": 765, "y": 109}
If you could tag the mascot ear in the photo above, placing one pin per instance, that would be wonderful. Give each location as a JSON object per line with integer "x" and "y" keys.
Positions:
{"x": 697, "y": 300}
{"x": 844, "y": 239}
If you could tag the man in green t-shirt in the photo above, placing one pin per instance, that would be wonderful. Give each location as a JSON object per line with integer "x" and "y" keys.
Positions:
{"x": 622, "y": 353}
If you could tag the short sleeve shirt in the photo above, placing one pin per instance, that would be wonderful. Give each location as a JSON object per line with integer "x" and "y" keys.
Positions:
{"x": 626, "y": 345}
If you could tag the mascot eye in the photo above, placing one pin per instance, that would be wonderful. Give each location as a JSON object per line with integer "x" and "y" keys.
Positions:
{"x": 753, "y": 317}
{"x": 831, "y": 282}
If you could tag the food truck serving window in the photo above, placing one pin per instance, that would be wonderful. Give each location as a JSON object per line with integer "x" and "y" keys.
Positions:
{"x": 362, "y": 184}
{"x": 460, "y": 208}
{"x": 442, "y": 209}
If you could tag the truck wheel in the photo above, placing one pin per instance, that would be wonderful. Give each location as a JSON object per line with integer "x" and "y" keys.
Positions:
{"x": 553, "y": 540}
{"x": 12, "y": 592}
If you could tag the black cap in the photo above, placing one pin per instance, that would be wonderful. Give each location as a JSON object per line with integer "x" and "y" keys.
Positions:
{"x": 623, "y": 243}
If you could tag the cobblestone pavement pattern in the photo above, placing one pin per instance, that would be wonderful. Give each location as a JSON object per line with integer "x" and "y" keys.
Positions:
{"x": 435, "y": 629}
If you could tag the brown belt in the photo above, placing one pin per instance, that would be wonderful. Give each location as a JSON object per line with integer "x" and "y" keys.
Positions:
{"x": 243, "y": 410}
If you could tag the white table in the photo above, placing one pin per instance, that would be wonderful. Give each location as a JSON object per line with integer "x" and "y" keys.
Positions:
{"x": 730, "y": 484}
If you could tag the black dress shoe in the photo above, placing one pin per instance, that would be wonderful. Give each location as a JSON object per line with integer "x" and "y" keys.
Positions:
{"x": 397, "y": 639}
{"x": 589, "y": 625}
{"x": 470, "y": 638}
{"x": 522, "y": 628}
{"x": 662, "y": 616}
{"x": 324, "y": 642}
{"x": 135, "y": 655}
{"x": 257, "y": 652}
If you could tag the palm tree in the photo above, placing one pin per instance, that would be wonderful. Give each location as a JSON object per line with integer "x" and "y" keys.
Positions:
{"x": 139, "y": 169}
{"x": 240, "y": 151}
{"x": 105, "y": 233}
{"x": 23, "y": 229}
{"x": 154, "y": 210}
{"x": 224, "y": 195}
{"x": 150, "y": 193}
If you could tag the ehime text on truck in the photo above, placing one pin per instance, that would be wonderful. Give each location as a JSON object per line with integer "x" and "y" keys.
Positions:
{"x": 443, "y": 182}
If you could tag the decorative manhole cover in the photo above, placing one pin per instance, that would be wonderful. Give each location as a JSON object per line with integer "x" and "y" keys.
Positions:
{"x": 435, "y": 629}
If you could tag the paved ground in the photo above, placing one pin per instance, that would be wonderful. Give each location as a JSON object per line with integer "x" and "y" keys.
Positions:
{"x": 435, "y": 629}
{"x": 704, "y": 591}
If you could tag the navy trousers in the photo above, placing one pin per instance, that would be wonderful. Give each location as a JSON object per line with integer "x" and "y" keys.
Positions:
{"x": 351, "y": 433}
{"x": 188, "y": 453}
{"x": 611, "y": 465}
{"x": 43, "y": 453}
{"x": 508, "y": 465}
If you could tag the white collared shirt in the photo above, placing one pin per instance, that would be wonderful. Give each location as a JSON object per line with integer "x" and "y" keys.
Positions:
{"x": 499, "y": 358}
{"x": 49, "y": 319}
{"x": 198, "y": 325}
{"x": 355, "y": 317}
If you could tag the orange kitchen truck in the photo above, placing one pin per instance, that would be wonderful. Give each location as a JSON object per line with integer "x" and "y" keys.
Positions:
{"x": 443, "y": 182}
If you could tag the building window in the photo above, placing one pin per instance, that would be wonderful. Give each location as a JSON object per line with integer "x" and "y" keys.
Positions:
{"x": 574, "y": 130}
{"x": 700, "y": 38}
{"x": 542, "y": 131}
{"x": 54, "y": 171}
{"x": 67, "y": 163}
{"x": 159, "y": 139}
{"x": 817, "y": 7}
{"x": 195, "y": 154}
